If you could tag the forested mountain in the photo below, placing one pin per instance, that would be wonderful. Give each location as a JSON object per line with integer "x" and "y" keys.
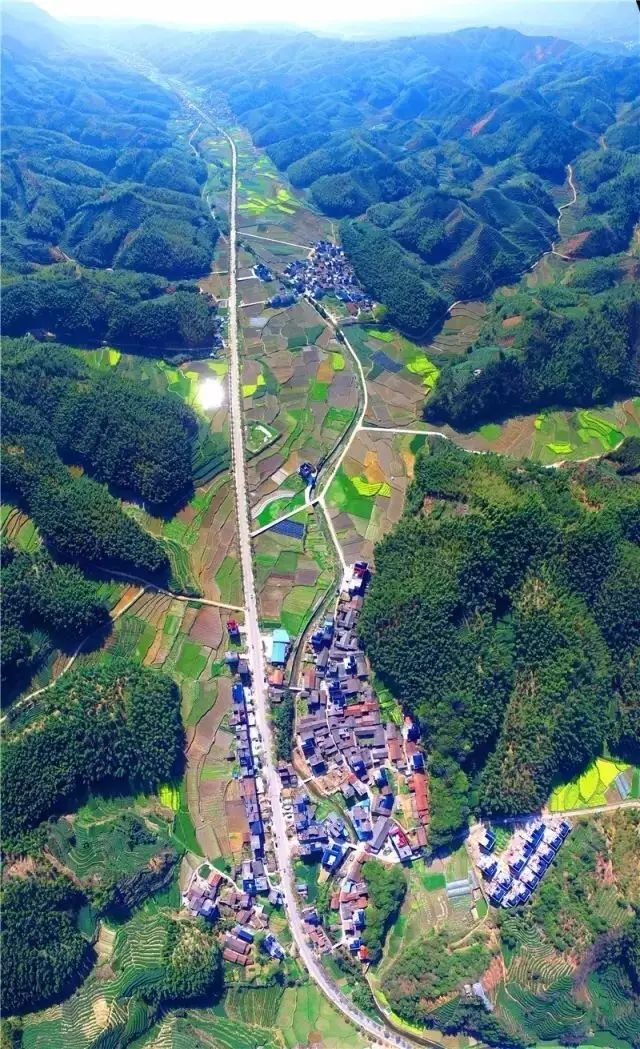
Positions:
{"x": 505, "y": 615}
{"x": 576, "y": 344}
{"x": 442, "y": 154}
{"x": 58, "y": 468}
{"x": 97, "y": 173}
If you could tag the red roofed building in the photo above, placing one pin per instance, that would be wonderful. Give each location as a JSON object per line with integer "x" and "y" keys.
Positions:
{"x": 418, "y": 784}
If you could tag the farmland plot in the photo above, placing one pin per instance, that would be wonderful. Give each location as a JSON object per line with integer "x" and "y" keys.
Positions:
{"x": 298, "y": 385}
{"x": 366, "y": 497}
{"x": 399, "y": 374}
{"x": 293, "y": 574}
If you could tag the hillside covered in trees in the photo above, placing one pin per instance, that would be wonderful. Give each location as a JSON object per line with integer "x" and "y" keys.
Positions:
{"x": 505, "y": 615}
{"x": 46, "y": 955}
{"x": 51, "y": 392}
{"x": 112, "y": 724}
{"x": 442, "y": 155}
{"x": 574, "y": 343}
{"x": 97, "y": 175}
{"x": 59, "y": 469}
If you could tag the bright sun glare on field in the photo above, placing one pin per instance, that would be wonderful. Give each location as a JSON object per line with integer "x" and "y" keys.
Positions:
{"x": 211, "y": 394}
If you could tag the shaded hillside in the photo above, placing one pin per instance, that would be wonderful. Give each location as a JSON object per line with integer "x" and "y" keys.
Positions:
{"x": 92, "y": 166}
{"x": 573, "y": 343}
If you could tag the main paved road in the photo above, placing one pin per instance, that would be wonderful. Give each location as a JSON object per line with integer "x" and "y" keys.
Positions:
{"x": 377, "y": 1032}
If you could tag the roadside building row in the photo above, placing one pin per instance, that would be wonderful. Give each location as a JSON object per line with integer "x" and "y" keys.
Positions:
{"x": 243, "y": 722}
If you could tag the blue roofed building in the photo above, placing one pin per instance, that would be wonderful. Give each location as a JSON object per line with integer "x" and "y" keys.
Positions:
{"x": 280, "y": 646}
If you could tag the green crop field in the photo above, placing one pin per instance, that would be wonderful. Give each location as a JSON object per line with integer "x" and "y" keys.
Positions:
{"x": 214, "y": 1028}
{"x": 292, "y": 573}
{"x": 18, "y": 528}
{"x": 257, "y": 1006}
{"x": 277, "y": 507}
{"x": 306, "y": 1016}
{"x": 588, "y": 789}
{"x": 192, "y": 660}
{"x": 344, "y": 495}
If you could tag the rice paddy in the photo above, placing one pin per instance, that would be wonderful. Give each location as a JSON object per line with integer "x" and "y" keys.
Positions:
{"x": 399, "y": 374}
{"x": 604, "y": 781}
{"x": 296, "y": 395}
{"x": 305, "y": 1017}
{"x": 267, "y": 204}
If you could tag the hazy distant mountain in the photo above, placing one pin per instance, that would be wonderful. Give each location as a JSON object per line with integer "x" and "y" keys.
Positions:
{"x": 586, "y": 23}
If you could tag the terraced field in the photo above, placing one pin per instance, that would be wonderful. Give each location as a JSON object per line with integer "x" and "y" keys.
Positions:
{"x": 18, "y": 529}
{"x": 98, "y": 843}
{"x": 257, "y": 1006}
{"x": 211, "y": 1029}
{"x": 306, "y": 1017}
{"x": 105, "y": 1000}
{"x": 604, "y": 781}
{"x": 189, "y": 641}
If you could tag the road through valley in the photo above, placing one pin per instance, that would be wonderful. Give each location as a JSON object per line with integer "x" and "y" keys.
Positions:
{"x": 377, "y": 1032}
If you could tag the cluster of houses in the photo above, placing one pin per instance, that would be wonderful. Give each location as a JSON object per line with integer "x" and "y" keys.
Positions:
{"x": 323, "y": 840}
{"x": 213, "y": 896}
{"x": 327, "y": 271}
{"x": 343, "y": 727}
{"x": 263, "y": 272}
{"x": 512, "y": 877}
{"x": 254, "y": 798}
{"x": 237, "y": 944}
{"x": 201, "y": 895}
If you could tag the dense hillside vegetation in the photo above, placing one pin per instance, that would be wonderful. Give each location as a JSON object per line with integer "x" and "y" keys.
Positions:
{"x": 577, "y": 343}
{"x": 59, "y": 467}
{"x": 45, "y": 956}
{"x": 39, "y": 596}
{"x": 50, "y": 392}
{"x": 569, "y": 958}
{"x": 442, "y": 155}
{"x": 504, "y": 614}
{"x": 140, "y": 312}
{"x": 116, "y": 723}
{"x": 98, "y": 174}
